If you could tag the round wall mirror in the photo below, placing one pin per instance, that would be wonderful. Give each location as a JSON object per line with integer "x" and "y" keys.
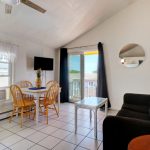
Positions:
{"x": 132, "y": 55}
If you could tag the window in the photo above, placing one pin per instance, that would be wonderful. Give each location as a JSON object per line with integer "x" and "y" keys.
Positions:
{"x": 5, "y": 77}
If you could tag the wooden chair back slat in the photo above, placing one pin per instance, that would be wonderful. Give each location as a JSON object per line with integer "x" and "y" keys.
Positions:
{"x": 52, "y": 93}
{"x": 25, "y": 84}
{"x": 50, "y": 83}
{"x": 17, "y": 95}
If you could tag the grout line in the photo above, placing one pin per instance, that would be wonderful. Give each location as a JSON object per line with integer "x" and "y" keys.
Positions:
{"x": 38, "y": 145}
{"x": 4, "y": 145}
{"x": 85, "y": 136}
{"x": 17, "y": 135}
{"x": 30, "y": 127}
{"x": 100, "y": 145}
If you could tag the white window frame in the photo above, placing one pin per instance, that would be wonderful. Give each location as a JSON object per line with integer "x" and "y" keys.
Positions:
{"x": 10, "y": 75}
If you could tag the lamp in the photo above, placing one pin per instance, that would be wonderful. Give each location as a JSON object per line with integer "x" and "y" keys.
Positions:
{"x": 122, "y": 61}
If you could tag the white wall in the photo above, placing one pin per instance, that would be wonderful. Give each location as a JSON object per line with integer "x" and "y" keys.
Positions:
{"x": 131, "y": 25}
{"x": 25, "y": 56}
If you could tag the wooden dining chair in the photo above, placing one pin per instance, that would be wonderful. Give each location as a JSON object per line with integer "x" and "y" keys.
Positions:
{"x": 25, "y": 84}
{"x": 22, "y": 103}
{"x": 50, "y": 83}
{"x": 50, "y": 99}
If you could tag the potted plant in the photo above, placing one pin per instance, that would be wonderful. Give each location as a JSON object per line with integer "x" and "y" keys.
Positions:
{"x": 38, "y": 81}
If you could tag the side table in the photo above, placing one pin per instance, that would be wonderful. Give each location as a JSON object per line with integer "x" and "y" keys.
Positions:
{"x": 140, "y": 143}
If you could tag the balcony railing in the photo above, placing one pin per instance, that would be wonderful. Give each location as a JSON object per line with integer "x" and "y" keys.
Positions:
{"x": 90, "y": 88}
{"x": 75, "y": 88}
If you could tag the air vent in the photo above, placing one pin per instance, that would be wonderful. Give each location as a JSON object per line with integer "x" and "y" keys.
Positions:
{"x": 2, "y": 94}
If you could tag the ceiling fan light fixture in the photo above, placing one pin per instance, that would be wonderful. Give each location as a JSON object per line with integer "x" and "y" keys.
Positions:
{"x": 17, "y": 2}
{"x": 11, "y": 2}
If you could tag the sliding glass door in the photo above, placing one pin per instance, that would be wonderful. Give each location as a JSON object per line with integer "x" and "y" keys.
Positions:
{"x": 82, "y": 75}
{"x": 74, "y": 77}
{"x": 90, "y": 73}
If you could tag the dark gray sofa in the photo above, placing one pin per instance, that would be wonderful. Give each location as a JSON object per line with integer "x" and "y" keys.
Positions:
{"x": 131, "y": 121}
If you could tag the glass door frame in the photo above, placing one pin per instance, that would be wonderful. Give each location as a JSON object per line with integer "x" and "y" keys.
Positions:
{"x": 81, "y": 74}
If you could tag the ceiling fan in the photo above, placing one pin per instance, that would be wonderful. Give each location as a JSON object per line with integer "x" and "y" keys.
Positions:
{"x": 9, "y": 3}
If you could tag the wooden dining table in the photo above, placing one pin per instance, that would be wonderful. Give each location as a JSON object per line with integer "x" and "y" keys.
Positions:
{"x": 37, "y": 93}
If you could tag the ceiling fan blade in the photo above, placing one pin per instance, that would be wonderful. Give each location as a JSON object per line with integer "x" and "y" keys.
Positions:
{"x": 33, "y": 5}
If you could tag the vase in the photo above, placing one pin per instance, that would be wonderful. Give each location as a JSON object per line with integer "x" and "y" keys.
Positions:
{"x": 38, "y": 82}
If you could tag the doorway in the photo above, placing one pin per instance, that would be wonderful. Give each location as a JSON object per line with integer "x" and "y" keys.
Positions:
{"x": 82, "y": 75}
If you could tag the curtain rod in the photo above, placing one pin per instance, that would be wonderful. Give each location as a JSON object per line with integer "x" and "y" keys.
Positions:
{"x": 82, "y": 46}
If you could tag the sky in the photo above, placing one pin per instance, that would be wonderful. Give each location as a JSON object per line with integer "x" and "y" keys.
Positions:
{"x": 90, "y": 63}
{"x": 3, "y": 68}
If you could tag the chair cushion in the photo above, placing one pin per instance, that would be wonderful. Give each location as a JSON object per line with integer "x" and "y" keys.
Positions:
{"x": 46, "y": 102}
{"x": 29, "y": 102}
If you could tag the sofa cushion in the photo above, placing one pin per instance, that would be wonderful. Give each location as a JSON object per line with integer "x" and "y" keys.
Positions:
{"x": 137, "y": 99}
{"x": 137, "y": 108}
{"x": 133, "y": 114}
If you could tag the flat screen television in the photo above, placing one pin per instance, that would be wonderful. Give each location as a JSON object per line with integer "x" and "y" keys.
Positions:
{"x": 43, "y": 63}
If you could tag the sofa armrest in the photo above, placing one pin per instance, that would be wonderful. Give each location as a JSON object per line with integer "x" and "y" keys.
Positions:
{"x": 119, "y": 131}
{"x": 137, "y": 99}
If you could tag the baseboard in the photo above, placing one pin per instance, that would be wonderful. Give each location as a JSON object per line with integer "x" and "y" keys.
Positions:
{"x": 4, "y": 115}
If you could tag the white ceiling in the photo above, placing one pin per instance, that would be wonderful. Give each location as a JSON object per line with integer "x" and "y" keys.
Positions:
{"x": 64, "y": 20}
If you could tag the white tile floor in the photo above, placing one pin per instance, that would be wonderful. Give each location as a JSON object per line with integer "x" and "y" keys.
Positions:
{"x": 57, "y": 135}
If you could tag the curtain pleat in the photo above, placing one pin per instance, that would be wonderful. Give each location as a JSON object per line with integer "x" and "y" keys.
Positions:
{"x": 102, "y": 90}
{"x": 64, "y": 81}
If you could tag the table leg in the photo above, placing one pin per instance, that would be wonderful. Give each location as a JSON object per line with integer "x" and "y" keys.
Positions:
{"x": 95, "y": 123}
{"x": 106, "y": 108}
{"x": 76, "y": 113}
{"x": 16, "y": 112}
{"x": 58, "y": 102}
{"x": 37, "y": 109}
{"x": 90, "y": 115}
